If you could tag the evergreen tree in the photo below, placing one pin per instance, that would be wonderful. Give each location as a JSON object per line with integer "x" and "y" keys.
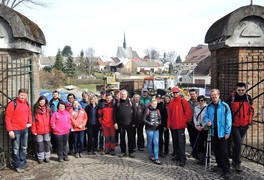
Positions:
{"x": 178, "y": 60}
{"x": 70, "y": 67}
{"x": 58, "y": 62}
{"x": 67, "y": 51}
{"x": 170, "y": 68}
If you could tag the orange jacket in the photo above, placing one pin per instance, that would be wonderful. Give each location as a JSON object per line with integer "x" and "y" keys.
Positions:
{"x": 78, "y": 118}
{"x": 179, "y": 113}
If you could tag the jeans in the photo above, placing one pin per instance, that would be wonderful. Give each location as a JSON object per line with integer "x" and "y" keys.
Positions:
{"x": 153, "y": 143}
{"x": 19, "y": 148}
{"x": 62, "y": 145}
{"x": 43, "y": 146}
{"x": 78, "y": 138}
{"x": 238, "y": 134}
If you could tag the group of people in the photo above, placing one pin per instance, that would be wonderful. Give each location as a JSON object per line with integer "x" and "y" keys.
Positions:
{"x": 109, "y": 120}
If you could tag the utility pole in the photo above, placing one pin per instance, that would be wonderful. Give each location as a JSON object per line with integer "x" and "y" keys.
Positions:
{"x": 251, "y": 2}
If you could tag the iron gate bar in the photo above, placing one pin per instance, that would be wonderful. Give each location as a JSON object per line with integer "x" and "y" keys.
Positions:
{"x": 248, "y": 66}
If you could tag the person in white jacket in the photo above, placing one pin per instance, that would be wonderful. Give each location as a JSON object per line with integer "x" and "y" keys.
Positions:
{"x": 200, "y": 125}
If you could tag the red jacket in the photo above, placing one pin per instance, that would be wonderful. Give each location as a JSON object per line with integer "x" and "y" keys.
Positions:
{"x": 18, "y": 118}
{"x": 106, "y": 115}
{"x": 78, "y": 118}
{"x": 41, "y": 123}
{"x": 179, "y": 113}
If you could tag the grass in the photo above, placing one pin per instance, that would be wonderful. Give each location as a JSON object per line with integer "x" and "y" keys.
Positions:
{"x": 98, "y": 75}
{"x": 90, "y": 87}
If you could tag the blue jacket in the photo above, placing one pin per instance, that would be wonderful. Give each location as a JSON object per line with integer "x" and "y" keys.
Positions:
{"x": 224, "y": 118}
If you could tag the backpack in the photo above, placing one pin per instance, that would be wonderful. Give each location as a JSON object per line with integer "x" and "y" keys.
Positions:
{"x": 15, "y": 103}
{"x": 233, "y": 95}
{"x": 148, "y": 111}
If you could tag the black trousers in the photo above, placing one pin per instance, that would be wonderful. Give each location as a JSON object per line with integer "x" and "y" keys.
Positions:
{"x": 179, "y": 143}
{"x": 61, "y": 141}
{"x": 221, "y": 153}
{"x": 92, "y": 131}
{"x": 193, "y": 133}
{"x": 138, "y": 131}
{"x": 164, "y": 138}
{"x": 130, "y": 136}
{"x": 238, "y": 134}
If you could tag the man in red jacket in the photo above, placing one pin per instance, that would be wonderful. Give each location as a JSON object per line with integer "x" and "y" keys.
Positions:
{"x": 179, "y": 113}
{"x": 242, "y": 112}
{"x": 18, "y": 119}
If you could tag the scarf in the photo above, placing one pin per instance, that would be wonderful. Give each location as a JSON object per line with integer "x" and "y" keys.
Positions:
{"x": 42, "y": 109}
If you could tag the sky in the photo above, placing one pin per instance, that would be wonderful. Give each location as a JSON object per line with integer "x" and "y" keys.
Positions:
{"x": 165, "y": 25}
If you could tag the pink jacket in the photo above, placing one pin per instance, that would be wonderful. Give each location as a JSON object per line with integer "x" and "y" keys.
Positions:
{"x": 60, "y": 122}
{"x": 78, "y": 118}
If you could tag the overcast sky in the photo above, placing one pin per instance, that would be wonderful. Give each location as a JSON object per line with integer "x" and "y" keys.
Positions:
{"x": 166, "y": 25}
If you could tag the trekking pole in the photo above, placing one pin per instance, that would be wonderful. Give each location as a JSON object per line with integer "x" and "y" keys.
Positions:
{"x": 208, "y": 151}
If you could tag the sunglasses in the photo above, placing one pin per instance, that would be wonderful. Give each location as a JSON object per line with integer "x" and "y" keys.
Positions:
{"x": 175, "y": 92}
{"x": 241, "y": 90}
{"x": 201, "y": 100}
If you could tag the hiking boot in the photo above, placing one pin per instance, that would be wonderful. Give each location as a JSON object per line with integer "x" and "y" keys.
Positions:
{"x": 47, "y": 160}
{"x": 76, "y": 155}
{"x": 182, "y": 163}
{"x": 80, "y": 155}
{"x": 40, "y": 161}
{"x": 60, "y": 160}
{"x": 131, "y": 155}
{"x": 166, "y": 153}
{"x": 140, "y": 149}
{"x": 157, "y": 162}
{"x": 20, "y": 170}
{"x": 66, "y": 158}
{"x": 122, "y": 155}
{"x": 26, "y": 167}
{"x": 237, "y": 166}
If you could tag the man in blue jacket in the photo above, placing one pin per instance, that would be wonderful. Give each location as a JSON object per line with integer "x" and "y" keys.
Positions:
{"x": 218, "y": 117}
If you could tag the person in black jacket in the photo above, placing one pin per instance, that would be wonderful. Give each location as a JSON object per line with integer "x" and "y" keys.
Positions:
{"x": 92, "y": 125}
{"x": 152, "y": 120}
{"x": 164, "y": 133}
{"x": 138, "y": 113}
{"x": 123, "y": 122}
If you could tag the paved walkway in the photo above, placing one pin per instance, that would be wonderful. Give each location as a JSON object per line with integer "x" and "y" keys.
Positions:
{"x": 112, "y": 167}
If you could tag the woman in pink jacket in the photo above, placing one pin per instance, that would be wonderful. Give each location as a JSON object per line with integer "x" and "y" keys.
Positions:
{"x": 78, "y": 120}
{"x": 61, "y": 124}
{"x": 41, "y": 129}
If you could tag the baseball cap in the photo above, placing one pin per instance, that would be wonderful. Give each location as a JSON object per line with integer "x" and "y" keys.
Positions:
{"x": 144, "y": 89}
{"x": 175, "y": 89}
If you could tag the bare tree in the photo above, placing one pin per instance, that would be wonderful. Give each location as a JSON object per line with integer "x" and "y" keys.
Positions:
{"x": 14, "y": 3}
{"x": 87, "y": 61}
{"x": 152, "y": 53}
{"x": 171, "y": 56}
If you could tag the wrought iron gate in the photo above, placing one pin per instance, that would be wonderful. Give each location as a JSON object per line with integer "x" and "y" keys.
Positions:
{"x": 249, "y": 69}
{"x": 14, "y": 74}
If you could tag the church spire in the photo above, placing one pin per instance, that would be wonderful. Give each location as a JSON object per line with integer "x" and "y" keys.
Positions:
{"x": 124, "y": 43}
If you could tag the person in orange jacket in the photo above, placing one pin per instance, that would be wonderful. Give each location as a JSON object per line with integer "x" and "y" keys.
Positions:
{"x": 78, "y": 120}
{"x": 41, "y": 129}
{"x": 179, "y": 113}
{"x": 106, "y": 118}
